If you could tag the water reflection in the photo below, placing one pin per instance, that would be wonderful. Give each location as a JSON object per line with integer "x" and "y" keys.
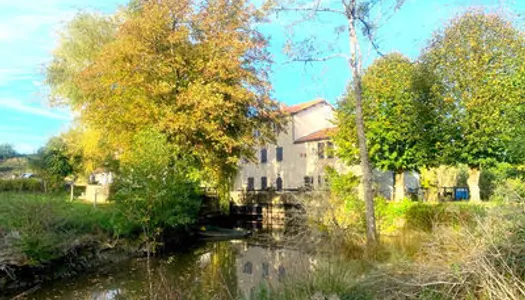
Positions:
{"x": 218, "y": 270}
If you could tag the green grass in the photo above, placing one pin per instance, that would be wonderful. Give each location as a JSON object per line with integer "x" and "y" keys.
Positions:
{"x": 42, "y": 227}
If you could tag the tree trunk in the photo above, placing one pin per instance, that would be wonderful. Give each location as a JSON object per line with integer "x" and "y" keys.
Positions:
{"x": 72, "y": 191}
{"x": 399, "y": 185}
{"x": 473, "y": 183}
{"x": 355, "y": 66}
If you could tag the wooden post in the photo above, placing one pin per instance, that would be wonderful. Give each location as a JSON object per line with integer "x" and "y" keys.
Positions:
{"x": 72, "y": 189}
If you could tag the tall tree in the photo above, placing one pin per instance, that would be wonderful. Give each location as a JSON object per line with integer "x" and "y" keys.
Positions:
{"x": 357, "y": 16}
{"x": 53, "y": 163}
{"x": 395, "y": 116}
{"x": 193, "y": 71}
{"x": 80, "y": 43}
{"x": 7, "y": 151}
{"x": 478, "y": 61}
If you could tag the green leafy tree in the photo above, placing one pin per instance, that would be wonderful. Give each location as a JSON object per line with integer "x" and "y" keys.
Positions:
{"x": 478, "y": 63}
{"x": 355, "y": 16}
{"x": 397, "y": 113}
{"x": 156, "y": 188}
{"x": 53, "y": 163}
{"x": 7, "y": 151}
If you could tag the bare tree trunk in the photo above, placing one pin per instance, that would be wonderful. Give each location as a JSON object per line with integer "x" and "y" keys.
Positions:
{"x": 355, "y": 65}
{"x": 399, "y": 185}
{"x": 72, "y": 191}
{"x": 473, "y": 183}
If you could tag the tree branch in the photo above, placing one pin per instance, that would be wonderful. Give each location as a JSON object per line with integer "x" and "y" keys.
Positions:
{"x": 368, "y": 33}
{"x": 316, "y": 59}
{"x": 313, "y": 10}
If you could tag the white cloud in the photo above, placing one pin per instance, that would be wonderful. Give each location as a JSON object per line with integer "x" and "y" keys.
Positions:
{"x": 19, "y": 106}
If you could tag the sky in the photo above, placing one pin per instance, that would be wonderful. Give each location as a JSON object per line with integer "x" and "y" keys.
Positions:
{"x": 28, "y": 35}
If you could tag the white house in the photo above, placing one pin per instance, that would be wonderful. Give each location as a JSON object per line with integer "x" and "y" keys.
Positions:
{"x": 301, "y": 153}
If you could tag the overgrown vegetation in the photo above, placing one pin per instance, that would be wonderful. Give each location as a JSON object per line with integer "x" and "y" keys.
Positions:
{"x": 155, "y": 188}
{"x": 38, "y": 228}
{"x": 21, "y": 185}
{"x": 426, "y": 251}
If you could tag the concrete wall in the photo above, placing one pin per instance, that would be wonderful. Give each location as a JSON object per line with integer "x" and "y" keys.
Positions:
{"x": 95, "y": 193}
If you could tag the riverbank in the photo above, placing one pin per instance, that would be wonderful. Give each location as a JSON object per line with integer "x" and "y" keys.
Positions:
{"x": 459, "y": 255}
{"x": 45, "y": 237}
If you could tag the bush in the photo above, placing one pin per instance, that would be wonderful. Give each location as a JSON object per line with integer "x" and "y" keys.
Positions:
{"x": 510, "y": 191}
{"x": 393, "y": 216}
{"x": 344, "y": 208}
{"x": 155, "y": 188}
{"x": 21, "y": 185}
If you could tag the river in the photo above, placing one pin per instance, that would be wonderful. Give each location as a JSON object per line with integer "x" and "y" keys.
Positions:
{"x": 210, "y": 270}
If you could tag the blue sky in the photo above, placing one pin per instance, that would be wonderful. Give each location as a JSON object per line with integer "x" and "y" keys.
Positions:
{"x": 28, "y": 33}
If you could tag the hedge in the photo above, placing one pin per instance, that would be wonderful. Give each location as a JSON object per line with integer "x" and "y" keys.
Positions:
{"x": 21, "y": 185}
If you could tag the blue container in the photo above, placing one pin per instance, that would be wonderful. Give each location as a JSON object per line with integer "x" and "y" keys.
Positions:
{"x": 461, "y": 194}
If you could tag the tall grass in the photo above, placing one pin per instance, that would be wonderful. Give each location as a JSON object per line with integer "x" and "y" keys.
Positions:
{"x": 37, "y": 228}
{"x": 438, "y": 251}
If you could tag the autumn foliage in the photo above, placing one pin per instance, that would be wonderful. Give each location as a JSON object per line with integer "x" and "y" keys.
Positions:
{"x": 195, "y": 72}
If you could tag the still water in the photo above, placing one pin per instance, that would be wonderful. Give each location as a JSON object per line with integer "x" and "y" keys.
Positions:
{"x": 212, "y": 270}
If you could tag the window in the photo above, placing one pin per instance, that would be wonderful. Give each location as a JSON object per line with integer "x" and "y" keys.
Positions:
{"x": 279, "y": 184}
{"x": 319, "y": 180}
{"x": 282, "y": 272}
{"x": 248, "y": 267}
{"x": 251, "y": 184}
{"x": 330, "y": 150}
{"x": 320, "y": 150}
{"x": 308, "y": 181}
{"x": 264, "y": 156}
{"x": 265, "y": 269}
{"x": 264, "y": 183}
{"x": 276, "y": 129}
{"x": 279, "y": 153}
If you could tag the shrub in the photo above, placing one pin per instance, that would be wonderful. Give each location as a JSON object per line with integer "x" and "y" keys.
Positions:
{"x": 510, "y": 191}
{"x": 155, "y": 188}
{"x": 393, "y": 216}
{"x": 21, "y": 185}
{"x": 345, "y": 208}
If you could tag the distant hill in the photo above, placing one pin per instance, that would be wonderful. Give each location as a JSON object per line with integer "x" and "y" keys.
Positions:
{"x": 14, "y": 166}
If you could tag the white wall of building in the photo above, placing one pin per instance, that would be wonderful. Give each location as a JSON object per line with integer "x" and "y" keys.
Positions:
{"x": 313, "y": 119}
{"x": 301, "y": 159}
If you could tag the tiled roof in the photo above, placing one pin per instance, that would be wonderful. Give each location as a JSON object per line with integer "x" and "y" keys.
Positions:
{"x": 302, "y": 106}
{"x": 323, "y": 134}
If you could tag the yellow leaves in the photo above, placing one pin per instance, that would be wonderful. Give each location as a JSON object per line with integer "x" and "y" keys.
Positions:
{"x": 195, "y": 72}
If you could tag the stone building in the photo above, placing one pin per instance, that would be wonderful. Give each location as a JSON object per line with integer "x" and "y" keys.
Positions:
{"x": 301, "y": 154}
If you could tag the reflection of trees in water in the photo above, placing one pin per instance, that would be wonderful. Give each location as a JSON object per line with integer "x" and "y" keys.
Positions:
{"x": 205, "y": 274}
{"x": 220, "y": 277}
{"x": 220, "y": 270}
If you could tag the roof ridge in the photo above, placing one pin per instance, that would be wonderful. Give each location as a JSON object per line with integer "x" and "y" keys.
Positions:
{"x": 303, "y": 106}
